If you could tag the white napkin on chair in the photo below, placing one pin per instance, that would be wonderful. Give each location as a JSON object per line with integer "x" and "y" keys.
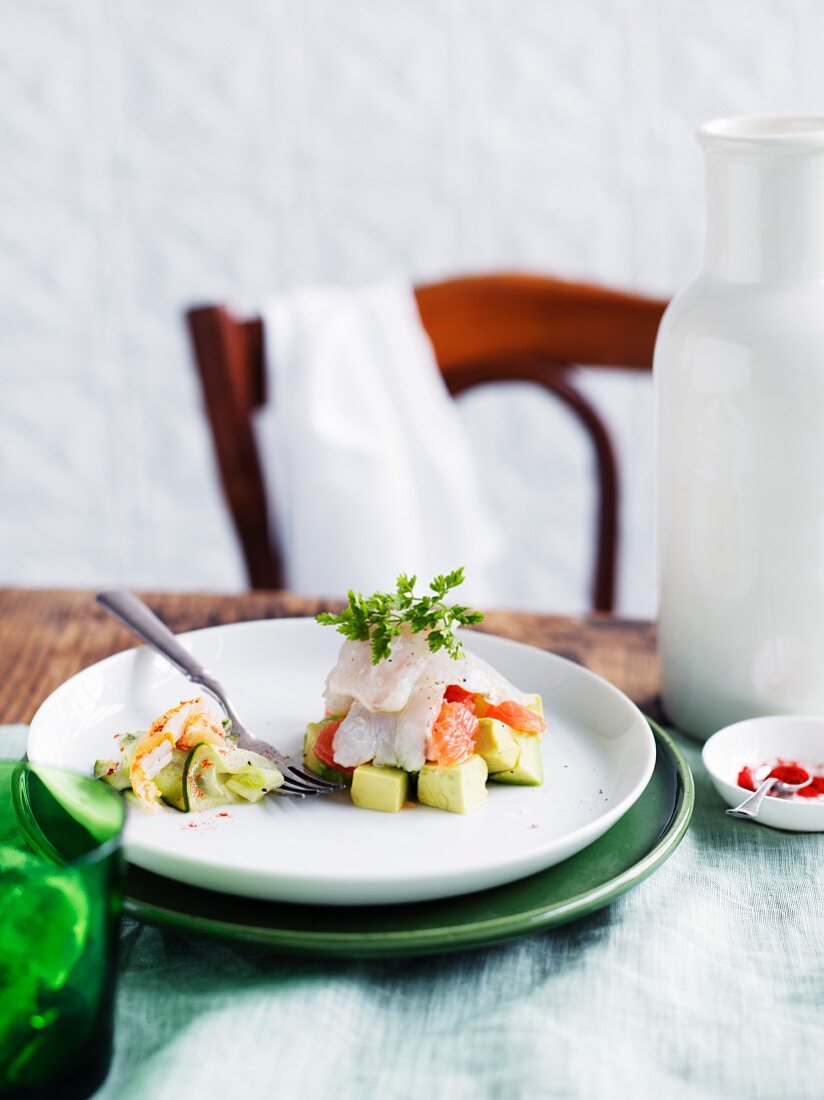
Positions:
{"x": 369, "y": 469}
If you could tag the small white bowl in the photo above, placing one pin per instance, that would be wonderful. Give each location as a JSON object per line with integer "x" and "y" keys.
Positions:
{"x": 759, "y": 741}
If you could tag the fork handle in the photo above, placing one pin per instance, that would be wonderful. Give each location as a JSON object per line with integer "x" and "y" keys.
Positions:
{"x": 133, "y": 613}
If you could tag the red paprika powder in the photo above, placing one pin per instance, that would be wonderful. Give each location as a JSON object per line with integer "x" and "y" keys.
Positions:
{"x": 786, "y": 771}
{"x": 789, "y": 773}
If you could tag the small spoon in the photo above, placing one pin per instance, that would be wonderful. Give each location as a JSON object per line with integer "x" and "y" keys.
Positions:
{"x": 750, "y": 806}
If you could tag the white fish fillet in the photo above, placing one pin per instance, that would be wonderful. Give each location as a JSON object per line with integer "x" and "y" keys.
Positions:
{"x": 392, "y": 706}
{"x": 385, "y": 686}
{"x": 368, "y": 736}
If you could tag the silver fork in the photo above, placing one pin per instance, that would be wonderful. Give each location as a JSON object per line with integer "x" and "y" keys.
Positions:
{"x": 129, "y": 610}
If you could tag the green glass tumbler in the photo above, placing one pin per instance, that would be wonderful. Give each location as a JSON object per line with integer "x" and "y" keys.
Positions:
{"x": 60, "y": 890}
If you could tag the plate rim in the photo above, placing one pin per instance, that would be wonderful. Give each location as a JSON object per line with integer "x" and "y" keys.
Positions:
{"x": 588, "y": 832}
{"x": 471, "y": 934}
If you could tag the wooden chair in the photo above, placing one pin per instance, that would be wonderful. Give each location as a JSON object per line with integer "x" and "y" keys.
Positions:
{"x": 489, "y": 328}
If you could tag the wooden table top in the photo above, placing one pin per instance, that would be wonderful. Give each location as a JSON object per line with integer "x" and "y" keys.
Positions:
{"x": 46, "y": 635}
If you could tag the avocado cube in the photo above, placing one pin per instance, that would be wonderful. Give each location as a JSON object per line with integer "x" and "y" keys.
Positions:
{"x": 529, "y": 770}
{"x": 458, "y": 788}
{"x": 536, "y": 705}
{"x": 379, "y": 788}
{"x": 309, "y": 738}
{"x": 496, "y": 743}
{"x": 314, "y": 763}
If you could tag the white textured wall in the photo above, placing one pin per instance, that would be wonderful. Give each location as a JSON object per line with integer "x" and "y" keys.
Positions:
{"x": 157, "y": 152}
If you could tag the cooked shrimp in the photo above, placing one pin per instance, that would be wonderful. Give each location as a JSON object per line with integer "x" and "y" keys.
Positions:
{"x": 184, "y": 726}
{"x": 152, "y": 753}
{"x": 189, "y": 723}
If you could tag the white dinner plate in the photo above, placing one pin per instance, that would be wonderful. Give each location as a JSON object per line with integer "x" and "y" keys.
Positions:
{"x": 599, "y": 754}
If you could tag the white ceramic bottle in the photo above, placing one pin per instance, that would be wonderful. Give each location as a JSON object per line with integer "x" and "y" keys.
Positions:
{"x": 739, "y": 377}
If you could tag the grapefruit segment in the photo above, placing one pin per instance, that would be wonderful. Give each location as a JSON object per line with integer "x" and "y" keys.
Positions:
{"x": 453, "y": 735}
{"x": 323, "y": 748}
{"x": 517, "y": 717}
{"x": 456, "y": 694}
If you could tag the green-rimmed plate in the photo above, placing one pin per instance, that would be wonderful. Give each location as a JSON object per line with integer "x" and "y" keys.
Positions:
{"x": 631, "y": 850}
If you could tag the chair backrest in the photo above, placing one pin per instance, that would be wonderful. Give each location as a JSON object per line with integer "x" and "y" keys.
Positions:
{"x": 489, "y": 328}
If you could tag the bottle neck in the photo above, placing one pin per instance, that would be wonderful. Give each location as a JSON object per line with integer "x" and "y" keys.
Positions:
{"x": 765, "y": 216}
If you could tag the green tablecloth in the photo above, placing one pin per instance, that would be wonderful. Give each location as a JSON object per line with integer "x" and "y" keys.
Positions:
{"x": 705, "y": 981}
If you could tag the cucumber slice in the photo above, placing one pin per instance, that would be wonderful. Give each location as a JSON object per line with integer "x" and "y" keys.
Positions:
{"x": 112, "y": 774}
{"x": 170, "y": 781}
{"x": 247, "y": 785}
{"x": 115, "y": 773}
{"x": 214, "y": 776}
{"x": 250, "y": 776}
{"x": 202, "y": 786}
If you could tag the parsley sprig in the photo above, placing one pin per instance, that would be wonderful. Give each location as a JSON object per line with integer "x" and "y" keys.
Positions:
{"x": 381, "y": 617}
